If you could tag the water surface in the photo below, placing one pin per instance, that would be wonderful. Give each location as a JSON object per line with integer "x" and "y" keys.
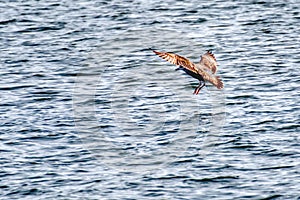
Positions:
{"x": 89, "y": 112}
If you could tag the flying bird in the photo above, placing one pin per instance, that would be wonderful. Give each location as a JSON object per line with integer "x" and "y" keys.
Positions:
{"x": 205, "y": 70}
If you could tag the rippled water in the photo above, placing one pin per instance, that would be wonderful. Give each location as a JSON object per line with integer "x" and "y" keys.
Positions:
{"x": 89, "y": 112}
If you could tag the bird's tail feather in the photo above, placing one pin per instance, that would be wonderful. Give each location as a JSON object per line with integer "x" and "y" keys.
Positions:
{"x": 219, "y": 83}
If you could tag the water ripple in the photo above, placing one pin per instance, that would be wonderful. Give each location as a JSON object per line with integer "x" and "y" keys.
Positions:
{"x": 89, "y": 112}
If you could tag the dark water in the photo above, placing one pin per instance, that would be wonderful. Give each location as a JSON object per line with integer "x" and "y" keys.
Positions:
{"x": 88, "y": 112}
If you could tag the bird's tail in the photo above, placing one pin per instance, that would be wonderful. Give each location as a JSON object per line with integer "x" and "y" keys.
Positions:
{"x": 219, "y": 83}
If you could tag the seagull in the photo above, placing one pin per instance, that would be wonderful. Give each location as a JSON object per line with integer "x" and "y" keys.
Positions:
{"x": 205, "y": 70}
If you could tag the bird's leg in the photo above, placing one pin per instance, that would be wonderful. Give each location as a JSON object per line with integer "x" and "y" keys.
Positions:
{"x": 179, "y": 68}
{"x": 200, "y": 86}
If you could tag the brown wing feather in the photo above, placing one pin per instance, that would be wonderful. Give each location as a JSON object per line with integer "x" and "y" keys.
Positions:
{"x": 209, "y": 61}
{"x": 177, "y": 60}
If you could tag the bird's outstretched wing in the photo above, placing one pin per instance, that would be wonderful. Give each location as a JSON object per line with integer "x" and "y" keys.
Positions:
{"x": 208, "y": 61}
{"x": 177, "y": 60}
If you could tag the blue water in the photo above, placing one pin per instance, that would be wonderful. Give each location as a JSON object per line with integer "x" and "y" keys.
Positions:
{"x": 89, "y": 112}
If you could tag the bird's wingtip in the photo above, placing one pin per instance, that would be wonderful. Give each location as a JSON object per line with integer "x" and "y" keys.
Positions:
{"x": 156, "y": 52}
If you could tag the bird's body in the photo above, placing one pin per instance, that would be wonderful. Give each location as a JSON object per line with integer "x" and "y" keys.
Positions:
{"x": 203, "y": 71}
